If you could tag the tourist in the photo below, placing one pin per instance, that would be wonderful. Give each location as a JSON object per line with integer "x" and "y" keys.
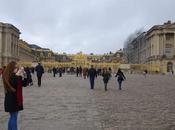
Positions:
{"x": 32, "y": 70}
{"x": 54, "y": 70}
{"x": 145, "y": 72}
{"x": 77, "y": 71}
{"x": 28, "y": 76}
{"x": 85, "y": 71}
{"x": 106, "y": 76}
{"x": 80, "y": 71}
{"x": 60, "y": 71}
{"x": 12, "y": 80}
{"x": 92, "y": 74}
{"x": 39, "y": 72}
{"x": 120, "y": 77}
{"x": 110, "y": 71}
{"x": 172, "y": 72}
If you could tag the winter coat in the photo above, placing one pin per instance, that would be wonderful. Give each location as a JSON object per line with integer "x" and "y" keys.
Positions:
{"x": 14, "y": 100}
{"x": 106, "y": 77}
{"x": 92, "y": 73}
{"x": 120, "y": 76}
{"x": 39, "y": 70}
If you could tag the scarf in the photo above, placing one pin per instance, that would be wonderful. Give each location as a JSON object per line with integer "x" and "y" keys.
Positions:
{"x": 19, "y": 92}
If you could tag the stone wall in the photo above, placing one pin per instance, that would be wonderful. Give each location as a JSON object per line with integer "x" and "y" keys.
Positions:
{"x": 9, "y": 48}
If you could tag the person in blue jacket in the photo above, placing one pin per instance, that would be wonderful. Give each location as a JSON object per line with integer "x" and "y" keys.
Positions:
{"x": 39, "y": 72}
{"x": 92, "y": 74}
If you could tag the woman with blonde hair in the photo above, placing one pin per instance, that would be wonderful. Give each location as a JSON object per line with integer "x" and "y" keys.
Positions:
{"x": 12, "y": 80}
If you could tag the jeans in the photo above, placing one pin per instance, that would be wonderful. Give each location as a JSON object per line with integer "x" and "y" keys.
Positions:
{"x": 92, "y": 83}
{"x": 120, "y": 84}
{"x": 105, "y": 86}
{"x": 12, "y": 124}
{"x": 39, "y": 80}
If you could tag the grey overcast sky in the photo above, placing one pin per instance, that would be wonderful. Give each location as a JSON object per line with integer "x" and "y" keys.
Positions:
{"x": 96, "y": 26}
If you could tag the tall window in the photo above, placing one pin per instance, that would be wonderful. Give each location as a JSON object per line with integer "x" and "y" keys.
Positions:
{"x": 169, "y": 45}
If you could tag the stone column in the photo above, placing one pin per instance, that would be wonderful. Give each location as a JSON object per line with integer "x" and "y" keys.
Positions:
{"x": 174, "y": 46}
{"x": 6, "y": 44}
{"x": 10, "y": 45}
{"x": 157, "y": 44}
{"x": 1, "y": 48}
{"x": 13, "y": 50}
{"x": 151, "y": 50}
{"x": 14, "y": 44}
{"x": 164, "y": 42}
{"x": 7, "y": 47}
{"x": 17, "y": 45}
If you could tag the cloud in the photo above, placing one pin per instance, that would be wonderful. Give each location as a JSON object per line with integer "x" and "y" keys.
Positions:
{"x": 97, "y": 26}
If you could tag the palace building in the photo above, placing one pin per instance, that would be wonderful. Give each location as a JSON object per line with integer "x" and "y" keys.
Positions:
{"x": 26, "y": 53}
{"x": 11, "y": 48}
{"x": 156, "y": 47}
{"x": 9, "y": 43}
{"x": 160, "y": 46}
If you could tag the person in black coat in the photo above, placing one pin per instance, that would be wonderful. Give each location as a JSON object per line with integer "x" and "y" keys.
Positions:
{"x": 60, "y": 72}
{"x": 13, "y": 103}
{"x": 77, "y": 71}
{"x": 80, "y": 71}
{"x": 54, "y": 70}
{"x": 29, "y": 76}
{"x": 106, "y": 76}
{"x": 39, "y": 72}
{"x": 120, "y": 78}
{"x": 92, "y": 74}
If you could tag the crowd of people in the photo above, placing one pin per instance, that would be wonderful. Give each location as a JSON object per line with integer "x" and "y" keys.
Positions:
{"x": 15, "y": 77}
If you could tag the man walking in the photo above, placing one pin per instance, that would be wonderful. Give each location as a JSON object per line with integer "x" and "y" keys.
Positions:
{"x": 39, "y": 72}
{"x": 54, "y": 70}
{"x": 92, "y": 74}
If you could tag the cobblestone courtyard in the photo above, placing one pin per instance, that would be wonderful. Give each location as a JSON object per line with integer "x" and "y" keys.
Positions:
{"x": 67, "y": 103}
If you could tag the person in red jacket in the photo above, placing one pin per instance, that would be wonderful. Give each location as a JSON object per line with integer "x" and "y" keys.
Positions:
{"x": 12, "y": 81}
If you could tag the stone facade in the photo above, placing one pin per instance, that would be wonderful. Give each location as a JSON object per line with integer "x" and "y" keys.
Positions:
{"x": 160, "y": 42}
{"x": 62, "y": 58}
{"x": 44, "y": 54}
{"x": 25, "y": 52}
{"x": 155, "y": 47}
{"x": 9, "y": 47}
{"x": 118, "y": 57}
